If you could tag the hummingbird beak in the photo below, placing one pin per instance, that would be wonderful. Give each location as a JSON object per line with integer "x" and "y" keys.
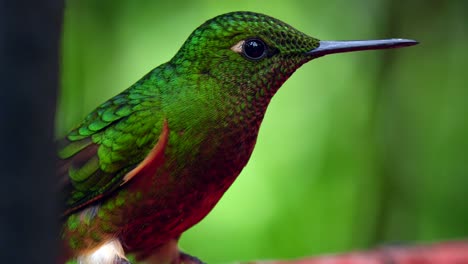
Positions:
{"x": 330, "y": 47}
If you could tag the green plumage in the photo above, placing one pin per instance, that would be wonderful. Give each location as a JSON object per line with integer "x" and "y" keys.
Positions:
{"x": 119, "y": 134}
{"x": 154, "y": 160}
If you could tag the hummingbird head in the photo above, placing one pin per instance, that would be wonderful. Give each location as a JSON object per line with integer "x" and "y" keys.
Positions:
{"x": 256, "y": 53}
{"x": 250, "y": 50}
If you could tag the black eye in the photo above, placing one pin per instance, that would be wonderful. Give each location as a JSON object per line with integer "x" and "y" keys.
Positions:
{"x": 254, "y": 49}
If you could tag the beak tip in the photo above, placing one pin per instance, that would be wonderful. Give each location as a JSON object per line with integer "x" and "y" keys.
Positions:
{"x": 406, "y": 42}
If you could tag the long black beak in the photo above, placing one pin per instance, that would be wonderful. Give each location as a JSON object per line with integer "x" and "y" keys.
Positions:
{"x": 330, "y": 47}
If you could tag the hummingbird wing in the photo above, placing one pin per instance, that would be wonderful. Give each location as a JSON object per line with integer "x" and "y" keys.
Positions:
{"x": 123, "y": 138}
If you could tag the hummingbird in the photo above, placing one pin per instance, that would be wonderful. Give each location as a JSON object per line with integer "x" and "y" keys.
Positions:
{"x": 152, "y": 161}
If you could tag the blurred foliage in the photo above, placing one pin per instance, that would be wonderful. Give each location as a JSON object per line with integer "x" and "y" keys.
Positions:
{"x": 355, "y": 150}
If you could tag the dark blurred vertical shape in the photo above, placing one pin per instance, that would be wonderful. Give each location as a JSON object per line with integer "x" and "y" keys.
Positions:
{"x": 386, "y": 162}
{"x": 29, "y": 62}
{"x": 390, "y": 184}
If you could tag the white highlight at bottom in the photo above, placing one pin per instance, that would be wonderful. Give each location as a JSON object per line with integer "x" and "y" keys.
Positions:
{"x": 105, "y": 254}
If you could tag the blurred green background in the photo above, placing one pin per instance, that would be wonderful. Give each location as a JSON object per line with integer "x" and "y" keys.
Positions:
{"x": 355, "y": 150}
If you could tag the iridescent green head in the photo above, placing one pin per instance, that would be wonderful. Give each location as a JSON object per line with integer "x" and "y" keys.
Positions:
{"x": 244, "y": 48}
{"x": 256, "y": 51}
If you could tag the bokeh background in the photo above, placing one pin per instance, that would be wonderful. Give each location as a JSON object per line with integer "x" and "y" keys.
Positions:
{"x": 356, "y": 150}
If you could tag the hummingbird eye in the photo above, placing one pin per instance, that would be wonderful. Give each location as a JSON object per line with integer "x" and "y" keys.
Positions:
{"x": 254, "y": 49}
